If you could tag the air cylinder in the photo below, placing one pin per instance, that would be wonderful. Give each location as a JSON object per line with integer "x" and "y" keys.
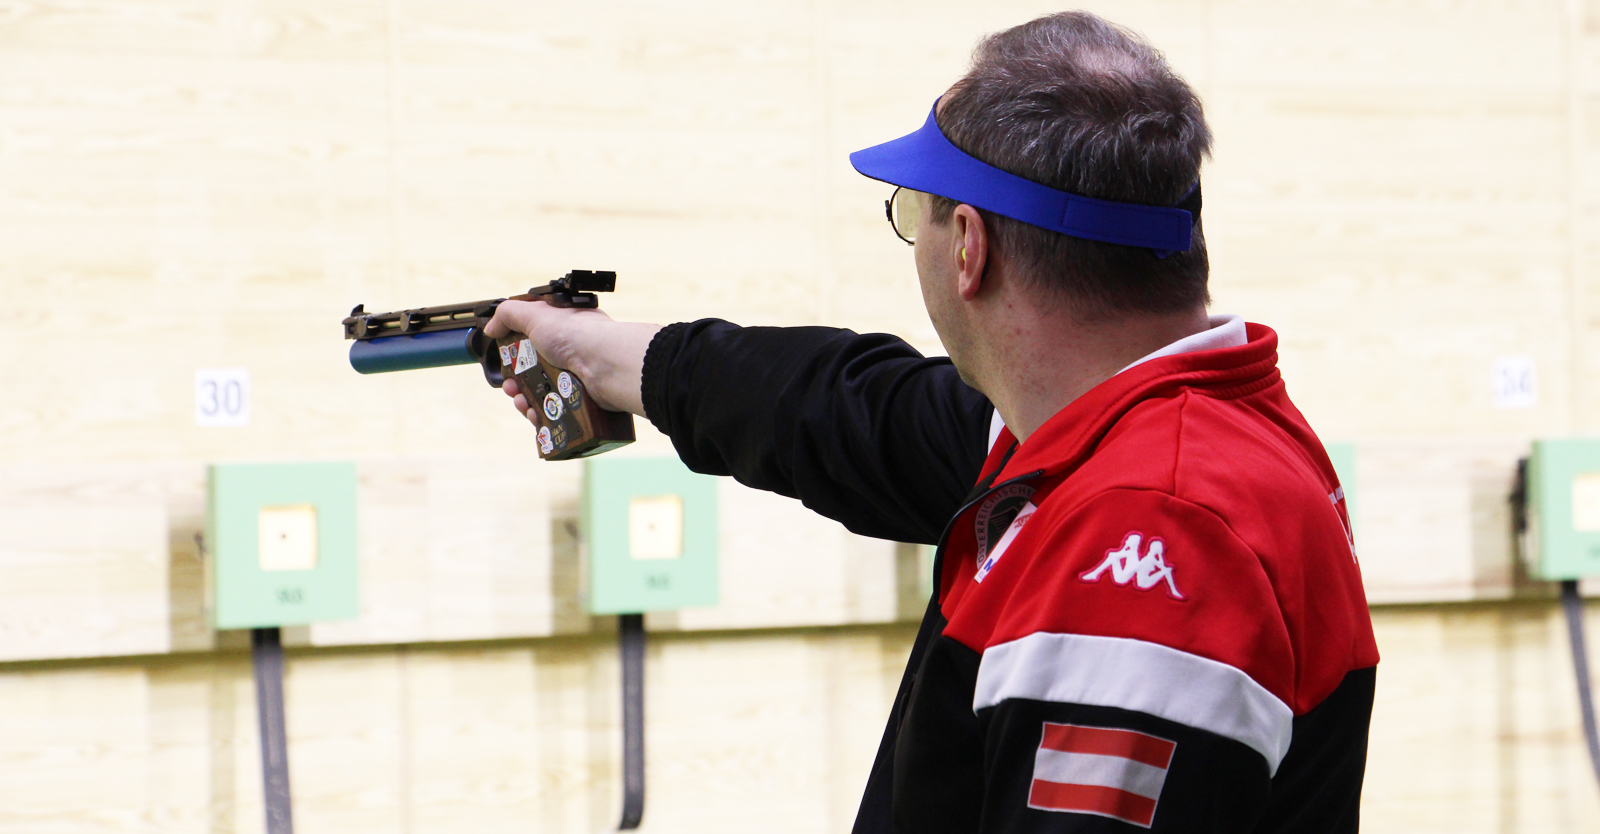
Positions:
{"x": 406, "y": 353}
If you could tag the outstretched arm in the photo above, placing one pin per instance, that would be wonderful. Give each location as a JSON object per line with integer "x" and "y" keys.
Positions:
{"x": 859, "y": 427}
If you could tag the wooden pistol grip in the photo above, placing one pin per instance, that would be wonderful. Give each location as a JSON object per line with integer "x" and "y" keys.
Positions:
{"x": 570, "y": 425}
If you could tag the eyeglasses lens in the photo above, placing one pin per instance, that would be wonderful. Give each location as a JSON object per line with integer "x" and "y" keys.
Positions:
{"x": 905, "y": 213}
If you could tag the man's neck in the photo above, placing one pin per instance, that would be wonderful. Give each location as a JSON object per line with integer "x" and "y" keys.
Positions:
{"x": 1049, "y": 359}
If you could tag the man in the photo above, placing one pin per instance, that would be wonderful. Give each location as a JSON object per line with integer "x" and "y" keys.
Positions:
{"x": 1148, "y": 611}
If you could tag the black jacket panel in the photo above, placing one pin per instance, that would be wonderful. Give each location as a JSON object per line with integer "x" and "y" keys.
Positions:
{"x": 1318, "y": 786}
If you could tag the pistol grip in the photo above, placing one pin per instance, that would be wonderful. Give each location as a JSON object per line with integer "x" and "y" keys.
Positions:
{"x": 570, "y": 425}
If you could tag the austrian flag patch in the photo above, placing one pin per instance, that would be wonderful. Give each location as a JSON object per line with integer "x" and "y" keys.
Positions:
{"x": 1100, "y": 771}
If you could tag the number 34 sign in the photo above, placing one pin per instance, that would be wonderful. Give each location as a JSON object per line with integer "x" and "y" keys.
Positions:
{"x": 222, "y": 397}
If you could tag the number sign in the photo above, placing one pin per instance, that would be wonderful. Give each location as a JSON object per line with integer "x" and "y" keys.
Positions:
{"x": 222, "y": 397}
{"x": 1514, "y": 383}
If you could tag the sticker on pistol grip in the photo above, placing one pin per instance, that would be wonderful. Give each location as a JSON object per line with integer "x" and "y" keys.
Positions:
{"x": 508, "y": 356}
{"x": 568, "y": 386}
{"x": 553, "y": 407}
{"x": 545, "y": 444}
{"x": 527, "y": 357}
{"x": 558, "y": 436}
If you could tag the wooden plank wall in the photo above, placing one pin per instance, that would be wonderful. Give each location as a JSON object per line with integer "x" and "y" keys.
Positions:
{"x": 513, "y": 736}
{"x": 213, "y": 184}
{"x": 1405, "y": 189}
{"x": 1475, "y": 732}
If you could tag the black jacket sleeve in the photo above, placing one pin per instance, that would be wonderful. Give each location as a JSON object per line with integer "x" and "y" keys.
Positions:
{"x": 862, "y": 429}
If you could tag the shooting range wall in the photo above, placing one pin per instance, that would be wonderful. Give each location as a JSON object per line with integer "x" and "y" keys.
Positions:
{"x": 1406, "y": 191}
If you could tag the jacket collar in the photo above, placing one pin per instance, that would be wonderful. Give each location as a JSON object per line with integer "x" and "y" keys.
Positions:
{"x": 1066, "y": 439}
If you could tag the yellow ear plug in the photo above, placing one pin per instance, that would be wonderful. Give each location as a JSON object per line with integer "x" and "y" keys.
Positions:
{"x": 963, "y": 253}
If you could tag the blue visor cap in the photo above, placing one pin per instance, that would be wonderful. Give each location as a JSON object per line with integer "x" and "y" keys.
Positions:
{"x": 927, "y": 161}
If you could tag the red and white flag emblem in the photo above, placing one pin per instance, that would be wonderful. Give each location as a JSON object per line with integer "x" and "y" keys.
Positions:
{"x": 1101, "y": 771}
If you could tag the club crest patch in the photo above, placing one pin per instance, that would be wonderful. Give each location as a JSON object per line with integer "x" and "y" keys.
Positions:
{"x": 996, "y": 513}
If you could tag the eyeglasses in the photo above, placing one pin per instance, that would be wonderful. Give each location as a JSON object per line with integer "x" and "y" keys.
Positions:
{"x": 904, "y": 209}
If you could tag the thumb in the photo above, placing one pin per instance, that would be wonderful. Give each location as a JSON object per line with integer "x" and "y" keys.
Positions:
{"x": 509, "y": 317}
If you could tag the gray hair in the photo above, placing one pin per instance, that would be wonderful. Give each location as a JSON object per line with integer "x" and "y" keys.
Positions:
{"x": 1082, "y": 105}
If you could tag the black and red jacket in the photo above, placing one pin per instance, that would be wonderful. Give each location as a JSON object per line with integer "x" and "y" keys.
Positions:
{"x": 1149, "y": 616}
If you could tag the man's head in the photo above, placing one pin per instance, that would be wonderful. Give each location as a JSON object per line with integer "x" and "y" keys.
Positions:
{"x": 1066, "y": 242}
{"x": 1083, "y": 106}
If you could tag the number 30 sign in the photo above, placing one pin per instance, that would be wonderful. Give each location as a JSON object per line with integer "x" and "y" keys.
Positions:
{"x": 222, "y": 397}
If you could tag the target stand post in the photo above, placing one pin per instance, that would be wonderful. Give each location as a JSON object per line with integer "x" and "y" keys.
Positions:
{"x": 650, "y": 534}
{"x": 281, "y": 549}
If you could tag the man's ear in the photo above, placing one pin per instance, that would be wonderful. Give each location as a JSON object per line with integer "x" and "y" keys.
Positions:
{"x": 971, "y": 242}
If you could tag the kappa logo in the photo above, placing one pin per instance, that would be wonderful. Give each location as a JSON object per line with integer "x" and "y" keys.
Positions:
{"x": 1128, "y": 565}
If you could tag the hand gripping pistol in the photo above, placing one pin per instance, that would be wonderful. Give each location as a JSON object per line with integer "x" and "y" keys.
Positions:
{"x": 570, "y": 425}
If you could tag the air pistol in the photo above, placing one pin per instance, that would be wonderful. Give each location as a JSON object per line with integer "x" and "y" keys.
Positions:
{"x": 570, "y": 425}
